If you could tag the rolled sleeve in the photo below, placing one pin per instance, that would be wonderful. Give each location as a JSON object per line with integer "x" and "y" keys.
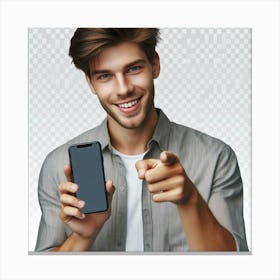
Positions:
{"x": 51, "y": 231}
{"x": 226, "y": 199}
{"x": 241, "y": 244}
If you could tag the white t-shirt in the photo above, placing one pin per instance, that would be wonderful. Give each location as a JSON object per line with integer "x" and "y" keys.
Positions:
{"x": 134, "y": 234}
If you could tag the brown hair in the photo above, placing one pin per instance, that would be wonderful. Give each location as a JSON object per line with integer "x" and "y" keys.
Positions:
{"x": 86, "y": 43}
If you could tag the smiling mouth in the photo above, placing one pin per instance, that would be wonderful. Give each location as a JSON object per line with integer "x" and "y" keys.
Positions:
{"x": 129, "y": 104}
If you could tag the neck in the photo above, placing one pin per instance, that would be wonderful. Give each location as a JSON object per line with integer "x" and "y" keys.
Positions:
{"x": 132, "y": 141}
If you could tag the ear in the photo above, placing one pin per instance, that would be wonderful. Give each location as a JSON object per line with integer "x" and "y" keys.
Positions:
{"x": 156, "y": 66}
{"x": 90, "y": 84}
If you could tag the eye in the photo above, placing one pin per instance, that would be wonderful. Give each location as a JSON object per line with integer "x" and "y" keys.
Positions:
{"x": 133, "y": 69}
{"x": 104, "y": 76}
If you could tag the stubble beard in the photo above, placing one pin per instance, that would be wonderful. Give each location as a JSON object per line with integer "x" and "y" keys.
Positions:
{"x": 146, "y": 111}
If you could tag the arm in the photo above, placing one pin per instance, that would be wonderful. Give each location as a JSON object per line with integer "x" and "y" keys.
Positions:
{"x": 167, "y": 181}
{"x": 59, "y": 207}
{"x": 75, "y": 242}
{"x": 85, "y": 228}
{"x": 202, "y": 230}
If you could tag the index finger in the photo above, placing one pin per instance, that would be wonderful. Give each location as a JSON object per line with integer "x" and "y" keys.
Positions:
{"x": 168, "y": 158}
{"x": 68, "y": 187}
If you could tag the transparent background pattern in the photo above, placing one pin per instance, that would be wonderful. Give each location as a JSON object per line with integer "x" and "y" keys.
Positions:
{"x": 205, "y": 83}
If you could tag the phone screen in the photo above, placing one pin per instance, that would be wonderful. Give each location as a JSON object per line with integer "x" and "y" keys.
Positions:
{"x": 88, "y": 173}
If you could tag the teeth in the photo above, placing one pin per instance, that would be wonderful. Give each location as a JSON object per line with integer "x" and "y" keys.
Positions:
{"x": 128, "y": 104}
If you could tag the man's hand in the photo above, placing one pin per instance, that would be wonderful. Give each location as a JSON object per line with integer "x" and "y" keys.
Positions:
{"x": 166, "y": 178}
{"x": 87, "y": 226}
{"x": 167, "y": 181}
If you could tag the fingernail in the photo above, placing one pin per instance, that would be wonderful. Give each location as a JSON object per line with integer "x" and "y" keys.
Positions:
{"x": 163, "y": 156}
{"x": 73, "y": 187}
{"x": 81, "y": 204}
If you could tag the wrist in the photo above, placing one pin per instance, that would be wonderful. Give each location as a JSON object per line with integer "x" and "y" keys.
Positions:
{"x": 75, "y": 243}
{"x": 191, "y": 196}
{"x": 83, "y": 237}
{"x": 83, "y": 242}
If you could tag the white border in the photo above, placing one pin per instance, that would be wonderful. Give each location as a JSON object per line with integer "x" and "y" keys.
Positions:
{"x": 17, "y": 16}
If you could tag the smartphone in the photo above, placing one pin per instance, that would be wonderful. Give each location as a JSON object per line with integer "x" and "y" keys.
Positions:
{"x": 88, "y": 173}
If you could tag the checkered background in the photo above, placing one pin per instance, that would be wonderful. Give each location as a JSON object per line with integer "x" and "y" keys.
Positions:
{"x": 205, "y": 83}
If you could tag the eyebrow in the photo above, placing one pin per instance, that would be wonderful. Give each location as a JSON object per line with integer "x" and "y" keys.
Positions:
{"x": 100, "y": 71}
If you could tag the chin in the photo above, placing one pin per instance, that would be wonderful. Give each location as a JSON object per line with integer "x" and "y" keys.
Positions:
{"x": 130, "y": 124}
{"x": 137, "y": 120}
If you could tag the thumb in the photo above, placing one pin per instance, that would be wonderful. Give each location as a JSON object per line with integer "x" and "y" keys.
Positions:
{"x": 68, "y": 172}
{"x": 110, "y": 190}
{"x": 143, "y": 165}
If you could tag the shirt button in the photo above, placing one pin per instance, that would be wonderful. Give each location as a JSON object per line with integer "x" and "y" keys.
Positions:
{"x": 147, "y": 246}
{"x": 122, "y": 188}
{"x": 146, "y": 212}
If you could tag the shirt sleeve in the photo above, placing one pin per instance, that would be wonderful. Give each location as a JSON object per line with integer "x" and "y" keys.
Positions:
{"x": 226, "y": 199}
{"x": 51, "y": 231}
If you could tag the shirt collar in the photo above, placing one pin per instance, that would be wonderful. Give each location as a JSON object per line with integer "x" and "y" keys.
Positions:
{"x": 160, "y": 136}
{"x": 162, "y": 131}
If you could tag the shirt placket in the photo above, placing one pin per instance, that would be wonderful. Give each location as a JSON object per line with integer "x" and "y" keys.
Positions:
{"x": 121, "y": 205}
{"x": 147, "y": 214}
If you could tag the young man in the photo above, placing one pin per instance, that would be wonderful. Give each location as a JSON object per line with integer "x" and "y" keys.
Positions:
{"x": 169, "y": 187}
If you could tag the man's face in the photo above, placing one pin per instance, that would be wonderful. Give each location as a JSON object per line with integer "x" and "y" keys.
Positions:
{"x": 122, "y": 78}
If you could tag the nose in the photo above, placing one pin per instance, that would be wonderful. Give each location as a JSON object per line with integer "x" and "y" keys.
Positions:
{"x": 124, "y": 86}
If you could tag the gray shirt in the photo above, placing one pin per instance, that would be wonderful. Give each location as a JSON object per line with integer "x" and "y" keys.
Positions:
{"x": 210, "y": 164}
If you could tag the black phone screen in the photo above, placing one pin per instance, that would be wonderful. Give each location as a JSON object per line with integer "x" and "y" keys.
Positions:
{"x": 87, "y": 171}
